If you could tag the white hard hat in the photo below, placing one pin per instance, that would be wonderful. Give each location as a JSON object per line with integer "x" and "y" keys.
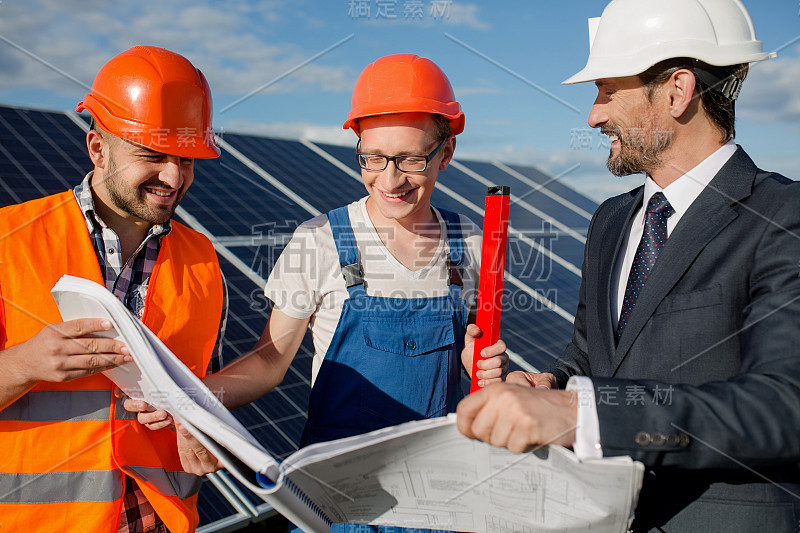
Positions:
{"x": 633, "y": 35}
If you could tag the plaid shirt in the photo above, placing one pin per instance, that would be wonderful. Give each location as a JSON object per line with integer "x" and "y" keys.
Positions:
{"x": 129, "y": 282}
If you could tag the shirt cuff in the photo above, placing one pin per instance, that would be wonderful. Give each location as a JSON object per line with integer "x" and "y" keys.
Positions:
{"x": 587, "y": 433}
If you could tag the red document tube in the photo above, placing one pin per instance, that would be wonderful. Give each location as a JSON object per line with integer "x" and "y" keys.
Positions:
{"x": 493, "y": 263}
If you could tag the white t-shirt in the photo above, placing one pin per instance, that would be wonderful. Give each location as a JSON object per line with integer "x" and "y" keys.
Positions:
{"x": 307, "y": 280}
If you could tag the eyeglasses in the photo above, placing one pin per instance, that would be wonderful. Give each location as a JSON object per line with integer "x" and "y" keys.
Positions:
{"x": 404, "y": 163}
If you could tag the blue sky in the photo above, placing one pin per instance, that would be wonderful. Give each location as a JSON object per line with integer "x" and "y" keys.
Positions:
{"x": 505, "y": 60}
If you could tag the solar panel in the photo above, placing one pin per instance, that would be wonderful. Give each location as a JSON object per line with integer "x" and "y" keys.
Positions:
{"x": 557, "y": 186}
{"x": 297, "y": 167}
{"x": 251, "y": 199}
{"x": 542, "y": 195}
{"x": 40, "y": 153}
{"x": 215, "y": 509}
{"x": 231, "y": 200}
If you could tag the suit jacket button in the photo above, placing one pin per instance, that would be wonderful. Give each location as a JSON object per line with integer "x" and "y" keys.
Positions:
{"x": 659, "y": 438}
{"x": 643, "y": 438}
{"x": 684, "y": 440}
{"x": 673, "y": 439}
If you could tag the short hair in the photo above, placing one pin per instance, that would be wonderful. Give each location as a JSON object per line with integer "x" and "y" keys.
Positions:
{"x": 720, "y": 108}
{"x": 441, "y": 127}
{"x": 103, "y": 133}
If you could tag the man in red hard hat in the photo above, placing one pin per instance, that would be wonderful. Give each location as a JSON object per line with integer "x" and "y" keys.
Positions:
{"x": 686, "y": 348}
{"x": 386, "y": 283}
{"x": 75, "y": 460}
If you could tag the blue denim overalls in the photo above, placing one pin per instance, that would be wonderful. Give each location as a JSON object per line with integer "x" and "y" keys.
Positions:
{"x": 391, "y": 360}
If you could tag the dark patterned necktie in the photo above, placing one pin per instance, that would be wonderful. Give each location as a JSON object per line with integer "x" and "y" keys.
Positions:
{"x": 653, "y": 239}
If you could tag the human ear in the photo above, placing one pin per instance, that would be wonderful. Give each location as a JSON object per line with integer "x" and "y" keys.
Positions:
{"x": 448, "y": 150}
{"x": 681, "y": 89}
{"x": 97, "y": 147}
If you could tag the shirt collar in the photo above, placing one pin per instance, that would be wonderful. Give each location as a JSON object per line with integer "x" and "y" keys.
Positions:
{"x": 682, "y": 192}
{"x": 83, "y": 194}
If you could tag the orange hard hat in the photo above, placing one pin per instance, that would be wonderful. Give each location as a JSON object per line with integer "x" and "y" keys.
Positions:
{"x": 154, "y": 98}
{"x": 404, "y": 83}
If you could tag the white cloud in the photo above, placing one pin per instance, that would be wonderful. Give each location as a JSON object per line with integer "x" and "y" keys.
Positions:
{"x": 430, "y": 13}
{"x": 39, "y": 37}
{"x": 785, "y": 163}
{"x": 228, "y": 43}
{"x": 770, "y": 93}
{"x": 322, "y": 133}
{"x": 469, "y": 15}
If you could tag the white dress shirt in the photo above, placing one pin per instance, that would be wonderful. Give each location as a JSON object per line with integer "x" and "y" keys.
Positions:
{"x": 681, "y": 193}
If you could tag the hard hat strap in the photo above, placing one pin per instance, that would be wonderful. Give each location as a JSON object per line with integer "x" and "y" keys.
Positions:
{"x": 718, "y": 80}
{"x": 731, "y": 88}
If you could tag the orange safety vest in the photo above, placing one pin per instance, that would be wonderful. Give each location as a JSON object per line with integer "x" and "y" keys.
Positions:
{"x": 66, "y": 446}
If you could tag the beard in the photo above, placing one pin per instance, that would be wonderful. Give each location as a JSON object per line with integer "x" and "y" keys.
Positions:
{"x": 640, "y": 148}
{"x": 133, "y": 201}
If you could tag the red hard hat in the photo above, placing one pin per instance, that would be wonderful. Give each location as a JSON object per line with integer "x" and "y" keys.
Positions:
{"x": 404, "y": 83}
{"x": 154, "y": 98}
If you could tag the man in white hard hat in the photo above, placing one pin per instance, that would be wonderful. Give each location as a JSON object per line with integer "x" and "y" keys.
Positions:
{"x": 686, "y": 347}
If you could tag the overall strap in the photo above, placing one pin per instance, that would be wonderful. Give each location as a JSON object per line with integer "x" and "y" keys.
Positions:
{"x": 345, "y": 242}
{"x": 455, "y": 245}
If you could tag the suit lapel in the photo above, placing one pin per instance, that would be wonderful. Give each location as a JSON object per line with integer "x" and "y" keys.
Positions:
{"x": 614, "y": 236}
{"x": 709, "y": 214}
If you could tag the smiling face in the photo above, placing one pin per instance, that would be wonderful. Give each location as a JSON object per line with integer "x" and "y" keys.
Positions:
{"x": 623, "y": 111}
{"x": 403, "y": 197}
{"x": 138, "y": 184}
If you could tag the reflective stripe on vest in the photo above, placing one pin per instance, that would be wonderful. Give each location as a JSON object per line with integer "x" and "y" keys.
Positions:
{"x": 178, "y": 484}
{"x": 61, "y": 487}
{"x": 57, "y": 405}
{"x": 120, "y": 413}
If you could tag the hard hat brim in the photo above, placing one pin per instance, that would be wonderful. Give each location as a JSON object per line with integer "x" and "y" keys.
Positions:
{"x": 598, "y": 68}
{"x": 456, "y": 120}
{"x": 192, "y": 145}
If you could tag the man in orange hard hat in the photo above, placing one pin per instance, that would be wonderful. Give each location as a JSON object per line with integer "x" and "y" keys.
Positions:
{"x": 74, "y": 460}
{"x": 686, "y": 348}
{"x": 386, "y": 283}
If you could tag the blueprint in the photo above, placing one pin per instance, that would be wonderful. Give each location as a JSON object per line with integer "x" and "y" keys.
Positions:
{"x": 427, "y": 474}
{"x": 422, "y": 474}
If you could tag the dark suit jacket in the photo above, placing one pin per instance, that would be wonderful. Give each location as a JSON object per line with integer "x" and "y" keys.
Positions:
{"x": 704, "y": 385}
